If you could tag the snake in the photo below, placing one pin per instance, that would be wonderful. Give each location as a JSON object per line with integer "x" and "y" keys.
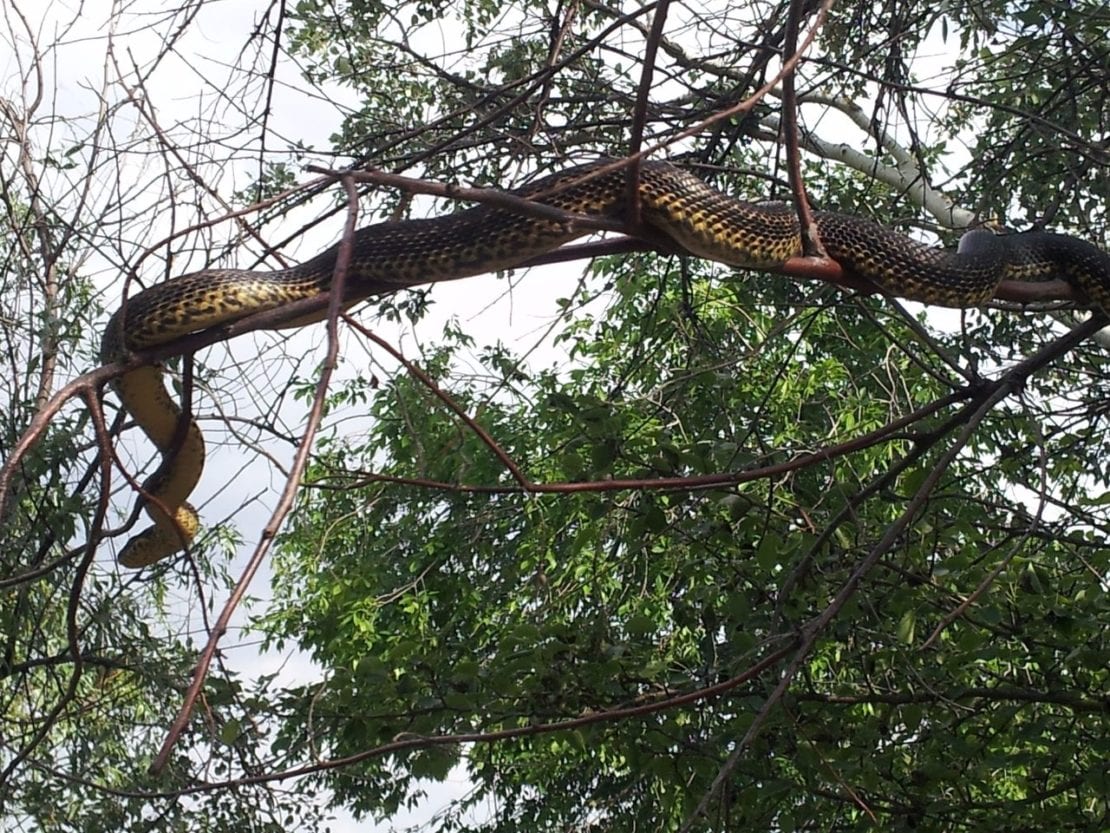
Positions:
{"x": 388, "y": 256}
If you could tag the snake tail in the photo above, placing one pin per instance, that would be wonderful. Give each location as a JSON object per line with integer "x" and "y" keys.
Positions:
{"x": 144, "y": 395}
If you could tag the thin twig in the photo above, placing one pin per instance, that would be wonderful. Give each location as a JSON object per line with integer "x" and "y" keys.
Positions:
{"x": 285, "y": 502}
{"x": 811, "y": 240}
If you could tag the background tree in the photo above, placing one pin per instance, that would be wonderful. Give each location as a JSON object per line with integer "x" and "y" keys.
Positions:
{"x": 713, "y": 551}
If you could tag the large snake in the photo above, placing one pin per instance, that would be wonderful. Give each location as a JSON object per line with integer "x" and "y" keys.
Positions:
{"x": 390, "y": 256}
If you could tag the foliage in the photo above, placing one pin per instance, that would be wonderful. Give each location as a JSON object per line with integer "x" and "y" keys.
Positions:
{"x": 452, "y": 610}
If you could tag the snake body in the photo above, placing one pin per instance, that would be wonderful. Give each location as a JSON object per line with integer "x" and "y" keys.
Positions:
{"x": 389, "y": 256}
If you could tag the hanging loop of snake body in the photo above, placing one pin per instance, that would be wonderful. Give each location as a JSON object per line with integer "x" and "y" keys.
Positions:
{"x": 390, "y": 256}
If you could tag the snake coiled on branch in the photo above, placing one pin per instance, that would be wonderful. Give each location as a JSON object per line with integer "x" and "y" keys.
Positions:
{"x": 390, "y": 256}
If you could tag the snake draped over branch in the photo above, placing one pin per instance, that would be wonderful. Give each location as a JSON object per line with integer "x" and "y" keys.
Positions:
{"x": 393, "y": 255}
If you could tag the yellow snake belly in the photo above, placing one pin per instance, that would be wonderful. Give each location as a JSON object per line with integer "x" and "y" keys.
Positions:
{"x": 390, "y": 256}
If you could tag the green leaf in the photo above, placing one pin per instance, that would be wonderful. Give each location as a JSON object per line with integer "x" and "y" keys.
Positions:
{"x": 906, "y": 626}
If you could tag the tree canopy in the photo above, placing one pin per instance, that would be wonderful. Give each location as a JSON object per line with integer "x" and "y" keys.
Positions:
{"x": 706, "y": 549}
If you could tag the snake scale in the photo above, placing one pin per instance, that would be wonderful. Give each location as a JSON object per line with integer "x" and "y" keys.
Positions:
{"x": 394, "y": 255}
